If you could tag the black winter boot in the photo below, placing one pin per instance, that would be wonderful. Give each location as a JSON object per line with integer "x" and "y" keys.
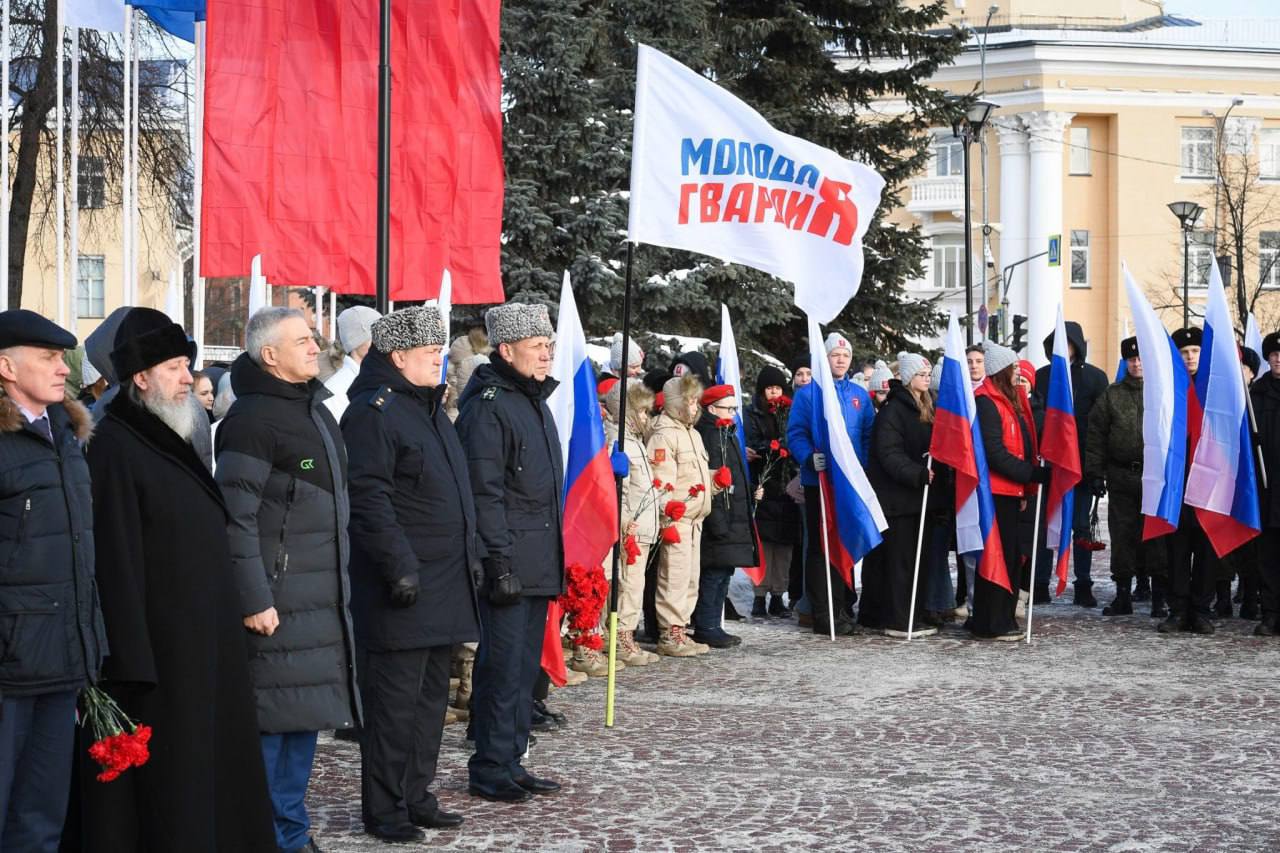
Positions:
{"x": 1084, "y": 594}
{"x": 731, "y": 613}
{"x": 1199, "y": 624}
{"x": 1143, "y": 590}
{"x": 1158, "y": 608}
{"x": 1248, "y": 600}
{"x": 777, "y": 608}
{"x": 1123, "y": 603}
{"x": 1268, "y": 627}
{"x": 757, "y": 607}
{"x": 1222, "y": 607}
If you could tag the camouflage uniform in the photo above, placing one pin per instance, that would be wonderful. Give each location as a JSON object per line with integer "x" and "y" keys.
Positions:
{"x": 1114, "y": 453}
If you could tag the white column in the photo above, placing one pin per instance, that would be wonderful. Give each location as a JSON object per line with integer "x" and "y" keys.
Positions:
{"x": 1045, "y": 130}
{"x": 1014, "y": 166}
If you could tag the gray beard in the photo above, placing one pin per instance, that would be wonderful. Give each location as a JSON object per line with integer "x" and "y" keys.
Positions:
{"x": 177, "y": 415}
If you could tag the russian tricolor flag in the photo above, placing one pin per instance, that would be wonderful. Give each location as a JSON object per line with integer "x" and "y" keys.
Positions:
{"x": 1061, "y": 449}
{"x": 1164, "y": 416}
{"x": 728, "y": 373}
{"x": 1222, "y": 483}
{"x": 957, "y": 441}
{"x": 854, "y": 518}
{"x": 590, "y": 496}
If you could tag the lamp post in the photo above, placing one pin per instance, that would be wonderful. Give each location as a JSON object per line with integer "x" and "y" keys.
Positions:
{"x": 1187, "y": 213}
{"x": 967, "y": 128}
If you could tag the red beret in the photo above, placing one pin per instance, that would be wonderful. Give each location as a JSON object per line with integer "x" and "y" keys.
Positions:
{"x": 716, "y": 392}
{"x": 1028, "y": 372}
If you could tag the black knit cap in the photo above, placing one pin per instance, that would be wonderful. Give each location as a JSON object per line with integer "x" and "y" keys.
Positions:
{"x": 1129, "y": 348}
{"x": 770, "y": 375}
{"x": 1188, "y": 337}
{"x": 1270, "y": 344}
{"x": 145, "y": 338}
{"x": 1250, "y": 359}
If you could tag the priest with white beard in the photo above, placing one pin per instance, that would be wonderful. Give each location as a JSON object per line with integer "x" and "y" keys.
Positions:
{"x": 177, "y": 658}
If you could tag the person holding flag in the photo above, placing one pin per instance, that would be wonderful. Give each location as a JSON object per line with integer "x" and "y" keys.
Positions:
{"x": 1061, "y": 450}
{"x": 1009, "y": 442}
{"x": 806, "y": 434}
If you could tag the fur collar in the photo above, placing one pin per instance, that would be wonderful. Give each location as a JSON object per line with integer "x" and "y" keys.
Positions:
{"x": 12, "y": 419}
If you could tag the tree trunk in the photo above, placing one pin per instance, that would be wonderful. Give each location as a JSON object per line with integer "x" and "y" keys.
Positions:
{"x": 32, "y": 121}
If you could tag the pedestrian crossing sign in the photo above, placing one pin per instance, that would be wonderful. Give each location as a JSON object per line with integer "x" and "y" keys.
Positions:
{"x": 1055, "y": 250}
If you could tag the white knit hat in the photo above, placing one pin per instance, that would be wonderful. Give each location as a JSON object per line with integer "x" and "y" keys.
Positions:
{"x": 909, "y": 364}
{"x": 835, "y": 341}
{"x": 355, "y": 327}
{"x": 615, "y": 353}
{"x": 880, "y": 377}
{"x": 997, "y": 357}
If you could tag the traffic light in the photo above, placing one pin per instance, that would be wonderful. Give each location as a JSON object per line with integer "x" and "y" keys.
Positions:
{"x": 1018, "y": 340}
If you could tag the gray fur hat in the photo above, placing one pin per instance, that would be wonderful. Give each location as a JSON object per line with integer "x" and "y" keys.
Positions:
{"x": 516, "y": 321}
{"x": 409, "y": 328}
{"x": 997, "y": 357}
{"x": 909, "y": 364}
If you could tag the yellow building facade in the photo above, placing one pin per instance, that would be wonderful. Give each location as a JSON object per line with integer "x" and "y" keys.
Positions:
{"x": 1101, "y": 121}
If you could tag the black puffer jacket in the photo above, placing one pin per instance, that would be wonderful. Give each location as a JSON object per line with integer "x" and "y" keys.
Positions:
{"x": 777, "y": 515}
{"x": 282, "y": 469}
{"x": 51, "y": 632}
{"x": 896, "y": 467}
{"x": 517, "y": 476}
{"x": 1087, "y": 383}
{"x": 1266, "y": 407}
{"x": 728, "y": 533}
{"x": 412, "y": 514}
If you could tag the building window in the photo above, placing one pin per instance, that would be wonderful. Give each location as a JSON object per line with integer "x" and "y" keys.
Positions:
{"x": 1197, "y": 152}
{"x": 90, "y": 286}
{"x": 1200, "y": 257}
{"x": 1079, "y": 151}
{"x": 1079, "y": 258}
{"x": 1269, "y": 153}
{"x": 948, "y": 157}
{"x": 948, "y": 261}
{"x": 1269, "y": 258}
{"x": 92, "y": 183}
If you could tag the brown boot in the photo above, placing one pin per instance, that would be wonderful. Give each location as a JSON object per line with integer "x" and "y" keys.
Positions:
{"x": 674, "y": 643}
{"x": 630, "y": 653}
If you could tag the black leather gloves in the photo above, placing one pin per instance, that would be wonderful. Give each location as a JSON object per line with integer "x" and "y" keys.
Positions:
{"x": 1098, "y": 487}
{"x": 504, "y": 590}
{"x": 404, "y": 591}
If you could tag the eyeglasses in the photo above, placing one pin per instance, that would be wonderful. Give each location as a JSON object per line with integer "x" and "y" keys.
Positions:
{"x": 728, "y": 410}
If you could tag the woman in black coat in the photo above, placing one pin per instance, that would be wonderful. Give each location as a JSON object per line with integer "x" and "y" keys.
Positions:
{"x": 777, "y": 515}
{"x": 898, "y": 470}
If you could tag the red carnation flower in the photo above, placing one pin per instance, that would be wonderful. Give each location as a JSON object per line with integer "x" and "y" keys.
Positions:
{"x": 694, "y": 491}
{"x": 632, "y": 548}
{"x": 669, "y": 487}
{"x": 724, "y": 477}
{"x": 657, "y": 484}
{"x": 775, "y": 444}
{"x": 674, "y": 510}
{"x": 784, "y": 453}
{"x": 724, "y": 423}
{"x": 670, "y": 535}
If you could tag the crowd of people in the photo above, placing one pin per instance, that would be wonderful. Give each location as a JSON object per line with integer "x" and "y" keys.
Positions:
{"x": 248, "y": 555}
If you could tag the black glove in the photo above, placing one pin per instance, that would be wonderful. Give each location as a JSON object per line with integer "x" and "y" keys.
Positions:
{"x": 1040, "y": 474}
{"x": 404, "y": 591}
{"x": 477, "y": 574}
{"x": 1098, "y": 487}
{"x": 504, "y": 590}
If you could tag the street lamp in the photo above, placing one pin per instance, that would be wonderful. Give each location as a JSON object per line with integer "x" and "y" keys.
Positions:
{"x": 1187, "y": 212}
{"x": 967, "y": 128}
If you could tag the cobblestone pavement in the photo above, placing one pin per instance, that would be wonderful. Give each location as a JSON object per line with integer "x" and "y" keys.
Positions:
{"x": 1099, "y": 736}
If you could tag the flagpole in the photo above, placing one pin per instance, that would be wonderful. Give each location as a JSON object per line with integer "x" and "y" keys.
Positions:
{"x": 1035, "y": 550}
{"x": 134, "y": 128}
{"x": 74, "y": 194}
{"x": 126, "y": 287}
{"x": 4, "y": 161}
{"x": 915, "y": 577}
{"x": 609, "y": 693}
{"x": 197, "y": 219}
{"x": 383, "y": 283}
{"x": 826, "y": 556}
{"x": 59, "y": 181}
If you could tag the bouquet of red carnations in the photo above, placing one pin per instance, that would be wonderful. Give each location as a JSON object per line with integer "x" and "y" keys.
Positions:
{"x": 118, "y": 742}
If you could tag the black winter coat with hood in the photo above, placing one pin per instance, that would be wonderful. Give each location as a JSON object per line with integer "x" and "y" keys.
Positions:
{"x": 1266, "y": 407}
{"x": 1087, "y": 383}
{"x": 412, "y": 514}
{"x": 729, "y": 532}
{"x": 777, "y": 515}
{"x": 517, "y": 476}
{"x": 896, "y": 466}
{"x": 51, "y": 632}
{"x": 282, "y": 468}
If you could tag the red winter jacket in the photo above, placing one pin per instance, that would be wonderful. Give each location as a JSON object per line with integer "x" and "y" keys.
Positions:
{"x": 1009, "y": 441}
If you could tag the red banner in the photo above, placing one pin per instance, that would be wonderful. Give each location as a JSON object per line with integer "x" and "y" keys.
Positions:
{"x": 290, "y": 147}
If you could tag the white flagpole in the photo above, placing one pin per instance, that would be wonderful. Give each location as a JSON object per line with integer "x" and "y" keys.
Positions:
{"x": 333, "y": 315}
{"x": 915, "y": 577}
{"x": 4, "y": 160}
{"x": 826, "y": 556}
{"x": 197, "y": 222}
{"x": 74, "y": 194}
{"x": 59, "y": 181}
{"x": 134, "y": 206}
{"x": 126, "y": 191}
{"x": 319, "y": 291}
{"x": 1035, "y": 552}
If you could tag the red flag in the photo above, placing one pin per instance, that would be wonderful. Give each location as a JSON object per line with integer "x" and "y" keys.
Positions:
{"x": 552, "y": 660}
{"x": 291, "y": 144}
